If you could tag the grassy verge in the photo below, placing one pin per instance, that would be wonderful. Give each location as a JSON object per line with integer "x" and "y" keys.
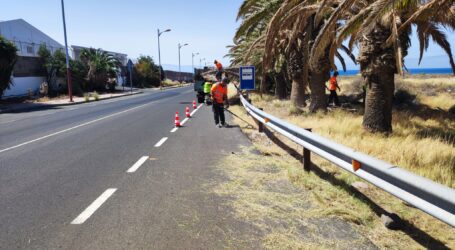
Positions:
{"x": 170, "y": 83}
{"x": 293, "y": 216}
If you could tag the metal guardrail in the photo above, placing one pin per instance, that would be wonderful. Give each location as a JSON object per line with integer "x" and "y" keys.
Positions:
{"x": 424, "y": 194}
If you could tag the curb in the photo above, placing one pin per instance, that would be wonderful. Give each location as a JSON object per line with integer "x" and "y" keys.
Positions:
{"x": 36, "y": 106}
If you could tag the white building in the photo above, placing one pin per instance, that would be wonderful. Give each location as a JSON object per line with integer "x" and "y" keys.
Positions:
{"x": 27, "y": 39}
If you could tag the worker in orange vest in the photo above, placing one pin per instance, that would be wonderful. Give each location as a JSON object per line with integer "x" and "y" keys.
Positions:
{"x": 219, "y": 98}
{"x": 333, "y": 86}
{"x": 219, "y": 70}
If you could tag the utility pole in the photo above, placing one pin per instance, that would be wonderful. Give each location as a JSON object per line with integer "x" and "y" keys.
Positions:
{"x": 68, "y": 69}
{"x": 180, "y": 70}
{"x": 159, "y": 52}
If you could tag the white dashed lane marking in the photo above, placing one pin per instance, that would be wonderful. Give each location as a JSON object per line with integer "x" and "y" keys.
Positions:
{"x": 90, "y": 210}
{"x": 138, "y": 164}
{"x": 164, "y": 139}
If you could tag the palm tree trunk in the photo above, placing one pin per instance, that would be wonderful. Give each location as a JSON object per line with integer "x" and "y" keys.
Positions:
{"x": 280, "y": 85}
{"x": 319, "y": 77}
{"x": 317, "y": 87}
{"x": 295, "y": 67}
{"x": 378, "y": 68}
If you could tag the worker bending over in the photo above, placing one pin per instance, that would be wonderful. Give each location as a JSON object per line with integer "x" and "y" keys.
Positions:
{"x": 219, "y": 70}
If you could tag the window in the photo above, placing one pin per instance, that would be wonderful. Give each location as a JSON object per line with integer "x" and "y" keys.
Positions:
{"x": 30, "y": 50}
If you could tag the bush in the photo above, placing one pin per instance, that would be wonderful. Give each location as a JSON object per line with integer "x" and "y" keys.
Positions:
{"x": 86, "y": 97}
{"x": 8, "y": 59}
{"x": 403, "y": 96}
{"x": 452, "y": 110}
{"x": 96, "y": 96}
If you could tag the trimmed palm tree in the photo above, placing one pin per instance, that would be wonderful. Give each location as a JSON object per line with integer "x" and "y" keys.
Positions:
{"x": 301, "y": 23}
{"x": 382, "y": 28}
{"x": 101, "y": 67}
{"x": 249, "y": 38}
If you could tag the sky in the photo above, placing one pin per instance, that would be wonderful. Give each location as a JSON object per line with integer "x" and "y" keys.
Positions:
{"x": 130, "y": 27}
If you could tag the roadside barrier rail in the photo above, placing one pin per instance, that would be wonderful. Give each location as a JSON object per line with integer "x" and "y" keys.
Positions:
{"x": 431, "y": 197}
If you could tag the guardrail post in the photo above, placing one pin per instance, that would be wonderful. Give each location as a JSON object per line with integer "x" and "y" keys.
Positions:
{"x": 260, "y": 125}
{"x": 307, "y": 157}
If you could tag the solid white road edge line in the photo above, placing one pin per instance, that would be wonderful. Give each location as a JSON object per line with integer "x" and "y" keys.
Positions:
{"x": 183, "y": 122}
{"x": 93, "y": 207}
{"x": 161, "y": 142}
{"x": 194, "y": 111}
{"x": 138, "y": 164}
{"x": 72, "y": 128}
{"x": 174, "y": 129}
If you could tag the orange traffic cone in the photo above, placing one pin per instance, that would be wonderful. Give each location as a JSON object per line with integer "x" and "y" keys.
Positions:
{"x": 177, "y": 119}
{"x": 187, "y": 112}
{"x": 194, "y": 104}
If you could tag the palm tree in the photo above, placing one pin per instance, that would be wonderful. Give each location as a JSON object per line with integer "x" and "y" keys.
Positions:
{"x": 301, "y": 23}
{"x": 101, "y": 66}
{"x": 249, "y": 40}
{"x": 383, "y": 29}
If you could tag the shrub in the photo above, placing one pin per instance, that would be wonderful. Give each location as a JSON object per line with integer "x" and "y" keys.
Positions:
{"x": 452, "y": 110}
{"x": 96, "y": 96}
{"x": 8, "y": 59}
{"x": 403, "y": 96}
{"x": 86, "y": 97}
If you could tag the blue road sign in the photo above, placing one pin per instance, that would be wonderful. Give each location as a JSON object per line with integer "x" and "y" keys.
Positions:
{"x": 247, "y": 78}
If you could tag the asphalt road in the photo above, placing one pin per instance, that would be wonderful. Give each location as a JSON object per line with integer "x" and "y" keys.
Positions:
{"x": 112, "y": 175}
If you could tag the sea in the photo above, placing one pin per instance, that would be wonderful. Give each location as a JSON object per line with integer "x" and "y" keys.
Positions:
{"x": 420, "y": 71}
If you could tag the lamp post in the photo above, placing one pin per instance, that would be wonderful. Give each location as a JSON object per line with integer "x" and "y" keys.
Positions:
{"x": 192, "y": 61}
{"x": 68, "y": 70}
{"x": 159, "y": 51}
{"x": 180, "y": 71}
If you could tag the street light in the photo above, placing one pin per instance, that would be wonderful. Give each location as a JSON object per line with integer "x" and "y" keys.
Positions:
{"x": 200, "y": 62}
{"x": 159, "y": 51}
{"x": 180, "y": 71}
{"x": 192, "y": 61}
{"x": 68, "y": 70}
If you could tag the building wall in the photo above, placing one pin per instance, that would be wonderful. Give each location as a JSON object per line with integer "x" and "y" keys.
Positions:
{"x": 26, "y": 37}
{"x": 176, "y": 76}
{"x": 28, "y": 66}
{"x": 22, "y": 86}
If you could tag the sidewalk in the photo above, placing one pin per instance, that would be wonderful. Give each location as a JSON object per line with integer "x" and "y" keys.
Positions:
{"x": 29, "y": 106}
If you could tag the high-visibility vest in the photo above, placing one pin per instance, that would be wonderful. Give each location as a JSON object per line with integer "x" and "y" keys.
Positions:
{"x": 333, "y": 83}
{"x": 207, "y": 87}
{"x": 218, "y": 93}
{"x": 219, "y": 66}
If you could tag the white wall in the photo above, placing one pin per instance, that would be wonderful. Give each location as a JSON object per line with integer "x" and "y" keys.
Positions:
{"x": 22, "y": 85}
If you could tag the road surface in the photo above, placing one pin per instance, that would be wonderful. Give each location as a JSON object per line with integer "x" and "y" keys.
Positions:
{"x": 115, "y": 174}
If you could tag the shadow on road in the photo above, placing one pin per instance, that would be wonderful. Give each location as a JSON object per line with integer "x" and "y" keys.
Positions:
{"x": 415, "y": 233}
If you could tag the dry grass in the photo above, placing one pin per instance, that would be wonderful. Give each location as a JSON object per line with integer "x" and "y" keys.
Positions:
{"x": 170, "y": 83}
{"x": 424, "y": 146}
